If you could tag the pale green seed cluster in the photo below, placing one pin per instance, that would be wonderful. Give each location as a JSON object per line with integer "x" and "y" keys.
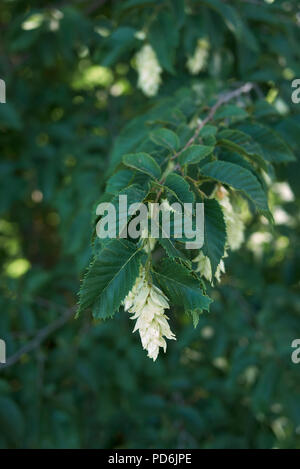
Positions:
{"x": 147, "y": 303}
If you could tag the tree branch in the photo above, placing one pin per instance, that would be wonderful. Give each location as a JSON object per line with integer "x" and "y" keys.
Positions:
{"x": 246, "y": 88}
{"x": 224, "y": 98}
{"x": 42, "y": 334}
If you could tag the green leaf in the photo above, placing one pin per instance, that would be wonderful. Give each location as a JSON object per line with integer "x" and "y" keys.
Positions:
{"x": 163, "y": 37}
{"x": 273, "y": 147}
{"x": 11, "y": 420}
{"x": 169, "y": 246}
{"x": 231, "y": 111}
{"x": 119, "y": 181}
{"x": 263, "y": 109}
{"x": 239, "y": 178}
{"x": 229, "y": 14}
{"x": 265, "y": 388}
{"x": 165, "y": 138}
{"x": 118, "y": 43}
{"x": 165, "y": 239}
{"x": 110, "y": 277}
{"x": 195, "y": 153}
{"x": 208, "y": 131}
{"x": 208, "y": 134}
{"x": 214, "y": 233}
{"x": 289, "y": 129}
{"x": 135, "y": 194}
{"x": 237, "y": 158}
{"x": 137, "y": 130}
{"x": 243, "y": 144}
{"x": 234, "y": 23}
{"x": 182, "y": 288}
{"x": 144, "y": 163}
{"x": 135, "y": 3}
{"x": 180, "y": 191}
{"x": 179, "y": 11}
{"x": 179, "y": 188}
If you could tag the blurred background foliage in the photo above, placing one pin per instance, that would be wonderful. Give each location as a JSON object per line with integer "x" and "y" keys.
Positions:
{"x": 71, "y": 85}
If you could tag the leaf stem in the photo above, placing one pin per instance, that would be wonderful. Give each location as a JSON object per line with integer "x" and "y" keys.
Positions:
{"x": 224, "y": 98}
{"x": 246, "y": 88}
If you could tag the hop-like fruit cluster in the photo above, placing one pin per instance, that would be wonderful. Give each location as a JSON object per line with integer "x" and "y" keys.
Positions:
{"x": 235, "y": 226}
{"x": 149, "y": 71}
{"x": 205, "y": 270}
{"x": 147, "y": 303}
{"x": 198, "y": 61}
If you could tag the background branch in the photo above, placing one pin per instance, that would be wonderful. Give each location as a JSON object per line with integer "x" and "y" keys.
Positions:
{"x": 43, "y": 333}
{"x": 223, "y": 99}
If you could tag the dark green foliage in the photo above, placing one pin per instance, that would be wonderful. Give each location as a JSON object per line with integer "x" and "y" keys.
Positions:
{"x": 76, "y": 131}
{"x": 239, "y": 178}
{"x": 215, "y": 233}
{"x": 110, "y": 277}
{"x": 195, "y": 154}
{"x": 179, "y": 189}
{"x": 182, "y": 288}
{"x": 142, "y": 162}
